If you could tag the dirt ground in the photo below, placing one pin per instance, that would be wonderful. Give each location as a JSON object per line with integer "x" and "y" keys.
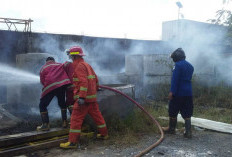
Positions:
{"x": 203, "y": 144}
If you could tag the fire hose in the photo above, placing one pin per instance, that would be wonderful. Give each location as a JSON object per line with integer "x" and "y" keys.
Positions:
{"x": 149, "y": 115}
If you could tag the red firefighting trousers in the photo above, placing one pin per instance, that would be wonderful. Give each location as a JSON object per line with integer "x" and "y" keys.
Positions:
{"x": 78, "y": 115}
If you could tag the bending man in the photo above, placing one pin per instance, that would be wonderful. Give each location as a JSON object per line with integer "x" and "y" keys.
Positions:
{"x": 54, "y": 80}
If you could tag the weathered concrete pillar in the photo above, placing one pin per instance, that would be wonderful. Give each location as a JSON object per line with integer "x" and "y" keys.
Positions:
{"x": 157, "y": 68}
{"x": 134, "y": 64}
{"x": 148, "y": 71}
{"x": 112, "y": 103}
{"x": 206, "y": 73}
{"x": 134, "y": 70}
{"x": 157, "y": 71}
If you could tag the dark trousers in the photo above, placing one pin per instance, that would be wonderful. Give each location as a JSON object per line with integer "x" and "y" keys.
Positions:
{"x": 182, "y": 104}
{"x": 59, "y": 93}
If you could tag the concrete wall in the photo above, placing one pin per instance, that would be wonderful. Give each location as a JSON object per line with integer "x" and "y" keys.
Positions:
{"x": 32, "y": 62}
{"x": 149, "y": 66}
{"x": 24, "y": 96}
{"x": 106, "y": 55}
{"x": 134, "y": 64}
{"x": 114, "y": 60}
{"x": 157, "y": 65}
{"x": 147, "y": 71}
{"x": 151, "y": 70}
{"x": 111, "y": 103}
{"x": 185, "y": 30}
{"x": 107, "y": 51}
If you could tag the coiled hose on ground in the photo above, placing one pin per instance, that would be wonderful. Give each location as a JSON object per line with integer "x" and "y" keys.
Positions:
{"x": 149, "y": 115}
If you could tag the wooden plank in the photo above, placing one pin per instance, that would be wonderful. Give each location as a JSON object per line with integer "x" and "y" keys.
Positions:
{"x": 38, "y": 145}
{"x": 32, "y": 147}
{"x": 207, "y": 124}
{"x": 16, "y": 139}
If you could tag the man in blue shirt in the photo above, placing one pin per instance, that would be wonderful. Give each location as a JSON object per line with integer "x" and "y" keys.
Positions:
{"x": 180, "y": 94}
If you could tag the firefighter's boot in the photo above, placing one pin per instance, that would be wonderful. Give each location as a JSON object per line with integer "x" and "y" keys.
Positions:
{"x": 45, "y": 122}
{"x": 171, "y": 129}
{"x": 188, "y": 131}
{"x": 103, "y": 137}
{"x": 64, "y": 118}
{"x": 68, "y": 145}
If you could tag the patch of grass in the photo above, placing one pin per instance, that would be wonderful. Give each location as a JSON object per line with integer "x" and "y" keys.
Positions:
{"x": 212, "y": 96}
{"x": 137, "y": 121}
{"x": 216, "y": 114}
{"x": 161, "y": 91}
{"x": 219, "y": 95}
{"x": 125, "y": 138}
{"x": 210, "y": 102}
{"x": 129, "y": 130}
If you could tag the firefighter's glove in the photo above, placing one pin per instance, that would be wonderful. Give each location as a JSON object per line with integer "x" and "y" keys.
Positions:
{"x": 81, "y": 101}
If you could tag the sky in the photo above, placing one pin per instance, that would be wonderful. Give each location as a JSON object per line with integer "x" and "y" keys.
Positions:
{"x": 132, "y": 19}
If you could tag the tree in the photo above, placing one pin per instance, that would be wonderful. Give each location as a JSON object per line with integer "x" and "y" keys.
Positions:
{"x": 224, "y": 17}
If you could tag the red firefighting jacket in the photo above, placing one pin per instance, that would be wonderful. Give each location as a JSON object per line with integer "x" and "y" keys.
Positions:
{"x": 85, "y": 81}
{"x": 68, "y": 67}
{"x": 52, "y": 76}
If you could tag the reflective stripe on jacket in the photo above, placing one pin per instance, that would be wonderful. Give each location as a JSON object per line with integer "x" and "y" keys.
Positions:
{"x": 85, "y": 81}
{"x": 52, "y": 76}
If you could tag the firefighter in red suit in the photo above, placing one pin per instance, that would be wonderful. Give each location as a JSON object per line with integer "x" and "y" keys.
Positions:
{"x": 69, "y": 101}
{"x": 85, "y": 90}
{"x": 54, "y": 80}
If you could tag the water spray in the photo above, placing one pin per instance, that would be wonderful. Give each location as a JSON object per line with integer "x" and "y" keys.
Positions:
{"x": 14, "y": 76}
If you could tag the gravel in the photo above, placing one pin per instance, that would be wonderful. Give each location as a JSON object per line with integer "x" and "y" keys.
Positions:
{"x": 204, "y": 143}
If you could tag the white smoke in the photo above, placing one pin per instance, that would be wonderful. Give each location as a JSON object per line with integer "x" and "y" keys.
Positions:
{"x": 202, "y": 43}
{"x": 206, "y": 50}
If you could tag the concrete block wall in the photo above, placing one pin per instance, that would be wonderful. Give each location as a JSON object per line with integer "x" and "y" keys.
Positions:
{"x": 147, "y": 71}
{"x": 157, "y": 65}
{"x": 32, "y": 62}
{"x": 24, "y": 96}
{"x": 156, "y": 69}
{"x": 134, "y": 64}
{"x": 111, "y": 103}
